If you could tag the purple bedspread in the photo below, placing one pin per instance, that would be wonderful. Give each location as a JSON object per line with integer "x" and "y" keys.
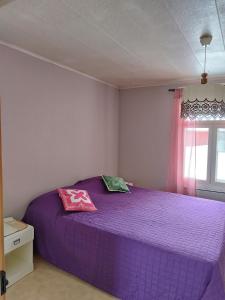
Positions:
{"x": 140, "y": 245}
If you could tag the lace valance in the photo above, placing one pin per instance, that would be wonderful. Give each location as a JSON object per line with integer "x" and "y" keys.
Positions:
{"x": 206, "y": 109}
{"x": 203, "y": 102}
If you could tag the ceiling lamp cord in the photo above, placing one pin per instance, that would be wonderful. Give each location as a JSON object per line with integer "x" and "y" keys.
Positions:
{"x": 204, "y": 75}
{"x": 205, "y": 41}
{"x": 205, "y": 59}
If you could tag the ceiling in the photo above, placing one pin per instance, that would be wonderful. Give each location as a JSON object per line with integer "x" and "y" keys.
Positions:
{"x": 126, "y": 43}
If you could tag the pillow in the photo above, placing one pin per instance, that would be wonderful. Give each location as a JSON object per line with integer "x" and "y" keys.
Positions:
{"x": 76, "y": 200}
{"x": 129, "y": 183}
{"x": 115, "y": 184}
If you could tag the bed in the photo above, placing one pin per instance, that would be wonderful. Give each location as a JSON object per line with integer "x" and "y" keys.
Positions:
{"x": 140, "y": 245}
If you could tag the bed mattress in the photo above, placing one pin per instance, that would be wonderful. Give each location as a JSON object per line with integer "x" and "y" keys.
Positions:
{"x": 144, "y": 244}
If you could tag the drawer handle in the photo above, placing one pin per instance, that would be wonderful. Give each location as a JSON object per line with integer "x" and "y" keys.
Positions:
{"x": 16, "y": 242}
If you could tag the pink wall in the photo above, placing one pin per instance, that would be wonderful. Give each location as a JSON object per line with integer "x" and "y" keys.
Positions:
{"x": 145, "y": 117}
{"x": 58, "y": 127}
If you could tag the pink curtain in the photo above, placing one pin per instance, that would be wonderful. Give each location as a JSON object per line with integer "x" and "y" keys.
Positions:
{"x": 182, "y": 164}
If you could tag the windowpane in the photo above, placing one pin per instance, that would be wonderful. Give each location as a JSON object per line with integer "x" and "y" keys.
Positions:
{"x": 220, "y": 155}
{"x": 196, "y": 153}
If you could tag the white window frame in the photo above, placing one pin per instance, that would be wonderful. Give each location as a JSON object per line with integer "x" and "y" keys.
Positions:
{"x": 210, "y": 183}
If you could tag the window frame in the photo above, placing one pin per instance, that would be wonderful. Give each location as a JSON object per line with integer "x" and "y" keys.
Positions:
{"x": 210, "y": 184}
{"x": 218, "y": 185}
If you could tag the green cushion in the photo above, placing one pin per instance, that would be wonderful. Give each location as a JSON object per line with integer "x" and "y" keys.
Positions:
{"x": 115, "y": 184}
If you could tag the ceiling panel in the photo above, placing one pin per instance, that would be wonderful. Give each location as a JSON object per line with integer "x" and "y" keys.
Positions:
{"x": 138, "y": 26}
{"x": 195, "y": 19}
{"x": 220, "y": 5}
{"x": 124, "y": 42}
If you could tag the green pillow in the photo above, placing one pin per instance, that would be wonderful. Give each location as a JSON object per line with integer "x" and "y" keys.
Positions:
{"x": 115, "y": 184}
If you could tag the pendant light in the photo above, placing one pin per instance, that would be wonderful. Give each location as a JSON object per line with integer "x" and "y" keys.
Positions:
{"x": 204, "y": 101}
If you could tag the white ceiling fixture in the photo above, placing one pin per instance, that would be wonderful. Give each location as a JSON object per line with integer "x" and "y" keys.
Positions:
{"x": 126, "y": 43}
{"x": 204, "y": 101}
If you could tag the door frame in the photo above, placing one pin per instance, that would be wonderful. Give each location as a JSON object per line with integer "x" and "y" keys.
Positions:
{"x": 2, "y": 256}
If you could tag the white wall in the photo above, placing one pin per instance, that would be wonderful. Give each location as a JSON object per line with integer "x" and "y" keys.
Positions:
{"x": 145, "y": 122}
{"x": 57, "y": 126}
{"x": 145, "y": 117}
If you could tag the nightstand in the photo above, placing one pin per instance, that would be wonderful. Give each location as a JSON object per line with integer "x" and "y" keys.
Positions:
{"x": 18, "y": 246}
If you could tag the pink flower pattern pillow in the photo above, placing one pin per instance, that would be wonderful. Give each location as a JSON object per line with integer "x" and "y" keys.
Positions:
{"x": 76, "y": 200}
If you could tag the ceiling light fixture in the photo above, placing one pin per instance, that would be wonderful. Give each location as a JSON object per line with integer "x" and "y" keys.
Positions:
{"x": 205, "y": 40}
{"x": 204, "y": 101}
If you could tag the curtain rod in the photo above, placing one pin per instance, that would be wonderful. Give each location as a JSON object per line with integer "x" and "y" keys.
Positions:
{"x": 173, "y": 90}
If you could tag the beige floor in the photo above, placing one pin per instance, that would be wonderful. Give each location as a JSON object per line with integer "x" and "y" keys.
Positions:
{"x": 48, "y": 282}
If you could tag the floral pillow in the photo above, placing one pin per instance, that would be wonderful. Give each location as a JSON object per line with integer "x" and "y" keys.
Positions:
{"x": 76, "y": 200}
{"x": 115, "y": 184}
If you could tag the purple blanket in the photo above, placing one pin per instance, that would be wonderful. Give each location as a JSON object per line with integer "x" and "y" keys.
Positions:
{"x": 140, "y": 245}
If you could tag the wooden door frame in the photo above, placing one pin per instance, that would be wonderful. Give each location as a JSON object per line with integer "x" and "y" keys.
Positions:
{"x": 2, "y": 257}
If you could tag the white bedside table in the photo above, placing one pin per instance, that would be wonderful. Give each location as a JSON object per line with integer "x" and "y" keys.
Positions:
{"x": 18, "y": 249}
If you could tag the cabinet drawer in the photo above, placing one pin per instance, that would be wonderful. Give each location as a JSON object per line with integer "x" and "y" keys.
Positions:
{"x": 18, "y": 239}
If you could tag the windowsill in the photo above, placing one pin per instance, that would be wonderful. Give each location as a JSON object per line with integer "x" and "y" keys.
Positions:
{"x": 210, "y": 190}
{"x": 211, "y": 194}
{"x": 213, "y": 188}
{"x": 207, "y": 187}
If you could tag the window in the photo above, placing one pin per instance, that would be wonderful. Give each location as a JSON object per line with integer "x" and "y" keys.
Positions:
{"x": 220, "y": 155}
{"x": 205, "y": 161}
{"x": 196, "y": 158}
